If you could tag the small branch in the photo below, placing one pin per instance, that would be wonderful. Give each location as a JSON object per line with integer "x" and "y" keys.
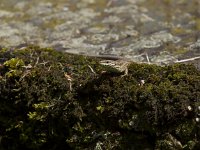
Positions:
{"x": 92, "y": 69}
{"x": 44, "y": 63}
{"x": 29, "y": 66}
{"x": 24, "y": 75}
{"x": 186, "y": 60}
{"x": 49, "y": 68}
{"x": 146, "y": 54}
{"x": 36, "y": 61}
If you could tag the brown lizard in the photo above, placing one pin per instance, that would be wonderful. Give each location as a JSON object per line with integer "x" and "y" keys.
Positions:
{"x": 120, "y": 65}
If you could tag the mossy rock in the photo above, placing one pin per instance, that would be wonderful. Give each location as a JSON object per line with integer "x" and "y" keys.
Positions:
{"x": 54, "y": 100}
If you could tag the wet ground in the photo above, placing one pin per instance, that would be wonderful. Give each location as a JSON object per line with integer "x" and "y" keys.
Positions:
{"x": 166, "y": 30}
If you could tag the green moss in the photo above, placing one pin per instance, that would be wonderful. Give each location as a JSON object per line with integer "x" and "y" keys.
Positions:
{"x": 180, "y": 51}
{"x": 48, "y": 96}
{"x": 14, "y": 63}
{"x": 179, "y": 31}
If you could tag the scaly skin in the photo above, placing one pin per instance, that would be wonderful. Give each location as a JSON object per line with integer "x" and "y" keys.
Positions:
{"x": 120, "y": 65}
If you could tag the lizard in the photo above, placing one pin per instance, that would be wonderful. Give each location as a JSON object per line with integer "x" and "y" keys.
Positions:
{"x": 119, "y": 65}
{"x": 116, "y": 62}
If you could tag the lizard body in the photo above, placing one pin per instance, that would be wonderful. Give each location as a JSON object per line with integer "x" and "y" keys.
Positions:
{"x": 120, "y": 65}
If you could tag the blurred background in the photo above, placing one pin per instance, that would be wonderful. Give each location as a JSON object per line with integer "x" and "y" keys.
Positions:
{"x": 166, "y": 30}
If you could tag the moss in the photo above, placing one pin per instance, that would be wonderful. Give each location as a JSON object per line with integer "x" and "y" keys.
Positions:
{"x": 180, "y": 51}
{"x": 51, "y": 100}
{"x": 179, "y": 31}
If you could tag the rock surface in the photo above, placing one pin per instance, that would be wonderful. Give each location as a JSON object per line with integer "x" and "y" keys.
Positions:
{"x": 164, "y": 29}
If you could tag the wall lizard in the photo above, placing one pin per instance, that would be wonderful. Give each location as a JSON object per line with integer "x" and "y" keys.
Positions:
{"x": 120, "y": 65}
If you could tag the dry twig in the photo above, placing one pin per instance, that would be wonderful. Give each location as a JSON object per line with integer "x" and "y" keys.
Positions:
{"x": 186, "y": 60}
{"x": 92, "y": 69}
